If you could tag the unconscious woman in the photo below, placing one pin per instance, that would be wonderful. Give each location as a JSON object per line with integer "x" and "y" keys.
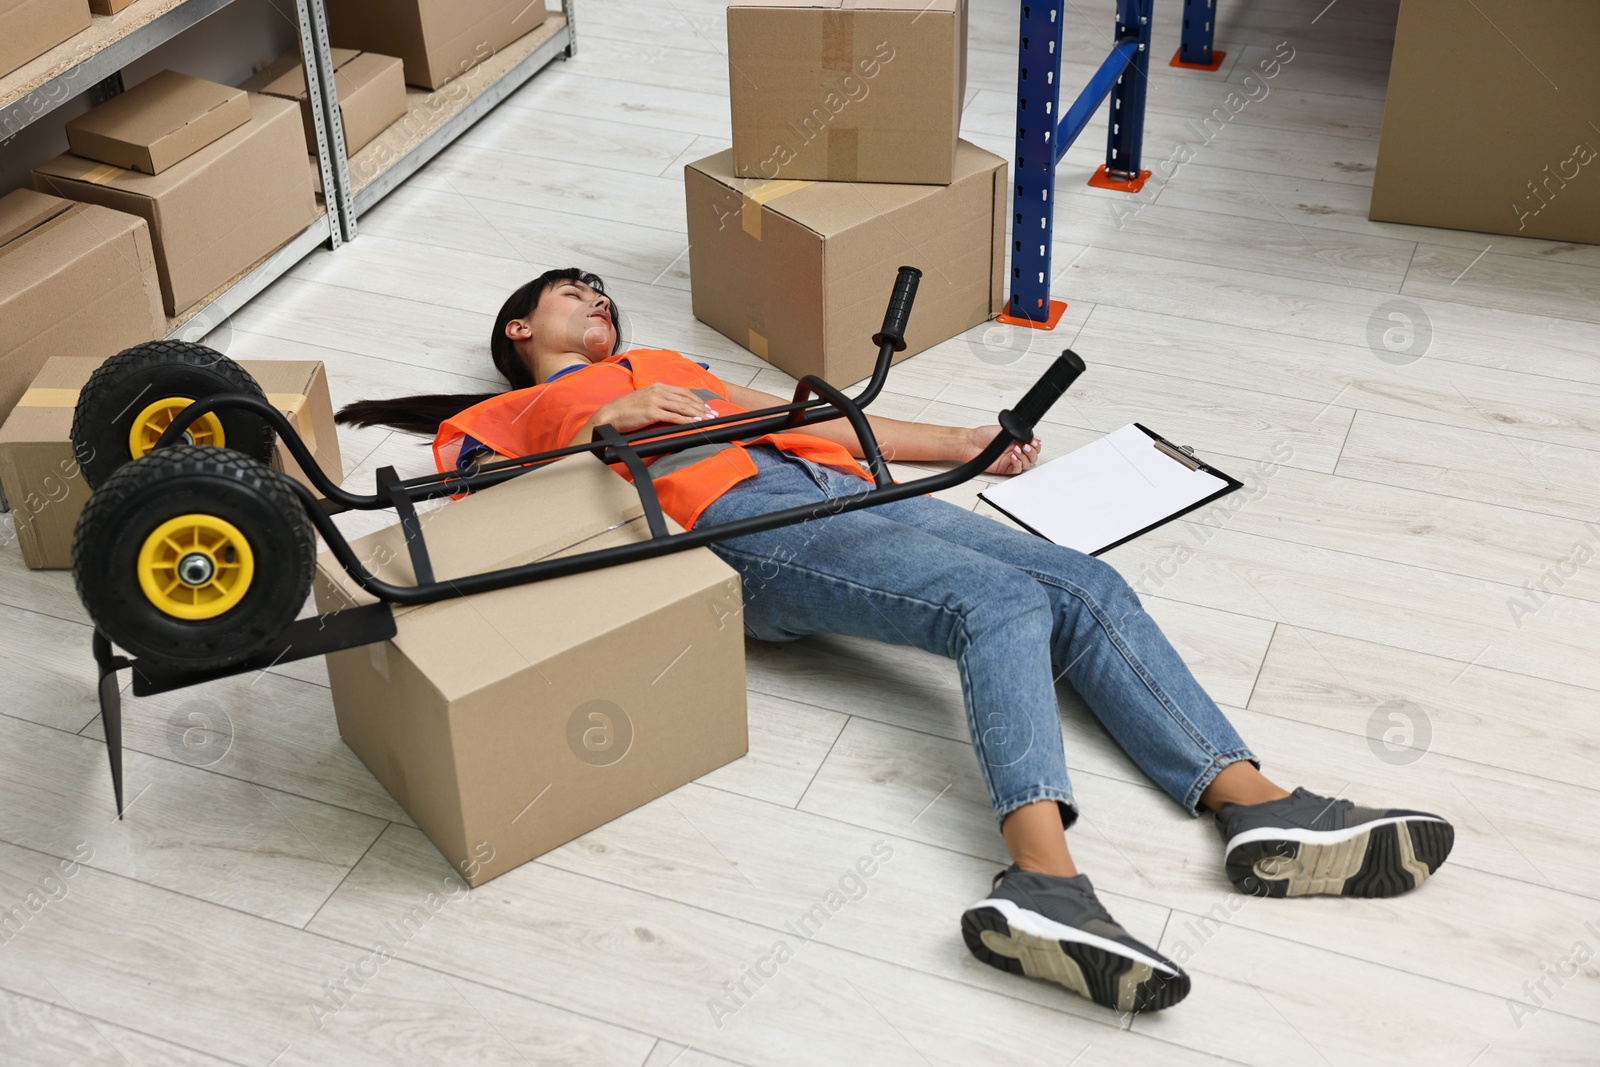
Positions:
{"x": 1015, "y": 611}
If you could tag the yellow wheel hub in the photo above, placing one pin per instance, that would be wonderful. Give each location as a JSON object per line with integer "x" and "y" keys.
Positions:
{"x": 196, "y": 567}
{"x": 147, "y": 426}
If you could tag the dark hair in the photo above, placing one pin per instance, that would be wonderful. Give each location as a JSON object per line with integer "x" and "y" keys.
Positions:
{"x": 422, "y": 414}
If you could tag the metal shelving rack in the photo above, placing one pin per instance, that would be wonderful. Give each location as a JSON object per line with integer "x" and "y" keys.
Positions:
{"x": 1044, "y": 135}
{"x": 434, "y": 119}
{"x": 94, "y": 58}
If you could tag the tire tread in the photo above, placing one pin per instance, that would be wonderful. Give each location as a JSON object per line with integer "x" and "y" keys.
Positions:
{"x": 160, "y": 468}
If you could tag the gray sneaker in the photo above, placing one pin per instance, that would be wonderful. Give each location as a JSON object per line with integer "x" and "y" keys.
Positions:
{"x": 1045, "y": 926}
{"x": 1306, "y": 844}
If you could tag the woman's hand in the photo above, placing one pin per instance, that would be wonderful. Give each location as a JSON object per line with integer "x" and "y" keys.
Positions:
{"x": 1014, "y": 460}
{"x": 654, "y": 403}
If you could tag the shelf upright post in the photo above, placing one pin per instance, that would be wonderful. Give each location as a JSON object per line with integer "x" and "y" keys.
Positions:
{"x": 326, "y": 120}
{"x": 1194, "y": 44}
{"x": 1125, "y": 140}
{"x": 1034, "y": 173}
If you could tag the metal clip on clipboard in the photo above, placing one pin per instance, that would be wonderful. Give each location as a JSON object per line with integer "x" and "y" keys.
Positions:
{"x": 1182, "y": 453}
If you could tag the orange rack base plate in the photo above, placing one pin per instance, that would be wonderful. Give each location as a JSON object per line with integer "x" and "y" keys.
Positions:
{"x": 1056, "y": 308}
{"x": 1216, "y": 61}
{"x": 1102, "y": 180}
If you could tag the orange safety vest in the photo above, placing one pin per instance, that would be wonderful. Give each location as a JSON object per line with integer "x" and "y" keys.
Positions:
{"x": 545, "y": 417}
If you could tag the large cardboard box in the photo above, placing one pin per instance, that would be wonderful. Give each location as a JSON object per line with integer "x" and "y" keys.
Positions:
{"x": 40, "y": 474}
{"x": 800, "y": 272}
{"x": 214, "y": 214}
{"x": 437, "y": 39}
{"x": 166, "y": 118}
{"x": 371, "y": 88}
{"x": 30, "y": 28}
{"x": 75, "y": 279}
{"x": 847, "y": 90}
{"x": 1476, "y": 135}
{"x": 508, "y": 723}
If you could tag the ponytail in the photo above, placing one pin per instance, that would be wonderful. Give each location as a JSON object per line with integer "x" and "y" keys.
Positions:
{"x": 422, "y": 414}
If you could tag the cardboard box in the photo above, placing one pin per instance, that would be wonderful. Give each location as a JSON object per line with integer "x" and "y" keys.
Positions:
{"x": 163, "y": 120}
{"x": 108, "y": 7}
{"x": 30, "y": 28}
{"x": 372, "y": 92}
{"x": 74, "y": 278}
{"x": 800, "y": 272}
{"x": 216, "y": 213}
{"x": 40, "y": 474}
{"x": 1475, "y": 135}
{"x": 436, "y": 39}
{"x": 867, "y": 90}
{"x": 508, "y": 723}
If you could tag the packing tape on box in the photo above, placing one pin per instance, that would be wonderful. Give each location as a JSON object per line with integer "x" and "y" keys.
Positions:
{"x": 843, "y": 149}
{"x": 102, "y": 174}
{"x": 758, "y": 344}
{"x": 49, "y": 398}
{"x": 750, "y": 208}
{"x": 838, "y": 40}
{"x": 293, "y": 406}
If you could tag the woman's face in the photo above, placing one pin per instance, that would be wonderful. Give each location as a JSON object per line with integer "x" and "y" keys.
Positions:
{"x": 570, "y": 318}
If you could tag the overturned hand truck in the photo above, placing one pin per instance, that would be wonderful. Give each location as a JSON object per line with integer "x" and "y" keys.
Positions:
{"x": 196, "y": 557}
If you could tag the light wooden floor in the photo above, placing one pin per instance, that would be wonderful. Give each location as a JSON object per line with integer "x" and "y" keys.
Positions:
{"x": 1363, "y": 585}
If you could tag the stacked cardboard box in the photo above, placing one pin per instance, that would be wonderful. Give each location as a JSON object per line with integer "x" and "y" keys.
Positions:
{"x": 220, "y": 176}
{"x": 846, "y": 163}
{"x": 74, "y": 278}
{"x": 1457, "y": 89}
{"x": 436, "y": 39}
{"x": 30, "y": 28}
{"x": 371, "y": 92}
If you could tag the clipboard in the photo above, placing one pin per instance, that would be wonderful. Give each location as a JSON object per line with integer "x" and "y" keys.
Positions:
{"x": 1175, "y": 495}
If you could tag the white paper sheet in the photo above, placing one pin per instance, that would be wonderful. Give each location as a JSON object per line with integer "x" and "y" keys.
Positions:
{"x": 1107, "y": 490}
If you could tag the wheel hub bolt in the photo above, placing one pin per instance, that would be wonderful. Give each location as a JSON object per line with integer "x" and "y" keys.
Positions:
{"x": 195, "y": 569}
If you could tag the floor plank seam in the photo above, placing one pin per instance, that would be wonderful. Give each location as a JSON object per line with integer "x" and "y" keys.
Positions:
{"x": 123, "y": 1026}
{"x": 335, "y": 890}
{"x": 822, "y": 762}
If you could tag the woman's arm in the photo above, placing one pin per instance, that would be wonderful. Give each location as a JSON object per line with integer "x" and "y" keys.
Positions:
{"x": 898, "y": 440}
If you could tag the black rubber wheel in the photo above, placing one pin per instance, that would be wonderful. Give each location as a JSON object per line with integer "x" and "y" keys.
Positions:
{"x": 224, "y": 511}
{"x": 130, "y": 387}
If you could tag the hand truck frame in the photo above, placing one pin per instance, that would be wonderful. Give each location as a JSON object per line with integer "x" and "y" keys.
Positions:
{"x": 367, "y": 624}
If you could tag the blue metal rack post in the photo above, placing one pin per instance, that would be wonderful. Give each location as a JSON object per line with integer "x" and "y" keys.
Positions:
{"x": 1194, "y": 48}
{"x": 1126, "y": 139}
{"x": 1038, "y": 94}
{"x": 1041, "y": 142}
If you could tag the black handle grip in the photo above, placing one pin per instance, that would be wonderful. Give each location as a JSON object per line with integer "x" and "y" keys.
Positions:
{"x": 899, "y": 310}
{"x": 1057, "y": 379}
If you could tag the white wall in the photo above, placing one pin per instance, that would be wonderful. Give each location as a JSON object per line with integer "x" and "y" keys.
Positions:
{"x": 227, "y": 47}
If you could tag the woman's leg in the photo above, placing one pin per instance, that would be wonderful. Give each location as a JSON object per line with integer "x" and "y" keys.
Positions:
{"x": 861, "y": 574}
{"x": 1112, "y": 652}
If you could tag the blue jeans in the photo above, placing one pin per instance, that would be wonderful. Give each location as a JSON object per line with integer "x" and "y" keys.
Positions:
{"x": 1014, "y": 611}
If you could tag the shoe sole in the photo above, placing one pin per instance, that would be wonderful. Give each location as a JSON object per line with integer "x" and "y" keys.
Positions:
{"x": 1109, "y": 974}
{"x": 1378, "y": 859}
